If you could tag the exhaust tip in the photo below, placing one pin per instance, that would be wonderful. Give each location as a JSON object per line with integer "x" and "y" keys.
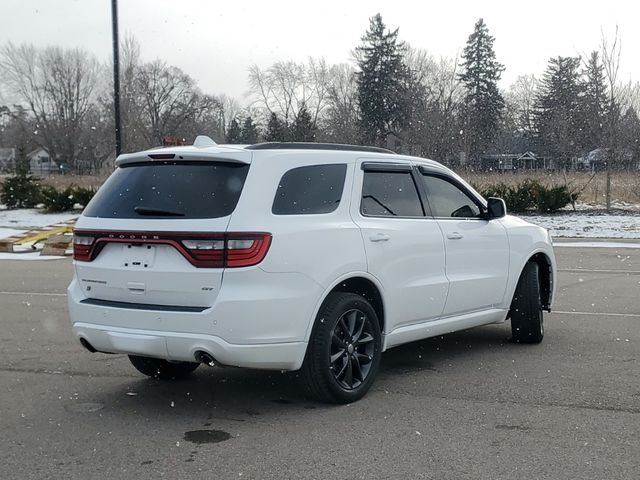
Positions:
{"x": 206, "y": 358}
{"x": 87, "y": 345}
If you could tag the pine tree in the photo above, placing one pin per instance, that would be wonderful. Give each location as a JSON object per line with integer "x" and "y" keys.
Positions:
{"x": 483, "y": 102}
{"x": 558, "y": 113}
{"x": 22, "y": 165}
{"x": 594, "y": 103}
{"x": 20, "y": 190}
{"x": 630, "y": 135}
{"x": 276, "y": 130}
{"x": 382, "y": 82}
{"x": 234, "y": 134}
{"x": 303, "y": 129}
{"x": 249, "y": 133}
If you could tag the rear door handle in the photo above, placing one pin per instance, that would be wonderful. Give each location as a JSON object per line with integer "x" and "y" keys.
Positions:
{"x": 379, "y": 237}
{"x": 454, "y": 236}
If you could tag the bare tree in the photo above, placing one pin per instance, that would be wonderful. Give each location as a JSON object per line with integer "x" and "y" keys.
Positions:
{"x": 170, "y": 100}
{"x": 521, "y": 98}
{"x": 611, "y": 52}
{"x": 435, "y": 129}
{"x": 58, "y": 88}
{"x": 340, "y": 124}
{"x": 285, "y": 87}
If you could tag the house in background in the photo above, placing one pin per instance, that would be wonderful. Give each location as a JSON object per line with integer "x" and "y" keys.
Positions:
{"x": 7, "y": 158}
{"x": 41, "y": 162}
{"x": 515, "y": 161}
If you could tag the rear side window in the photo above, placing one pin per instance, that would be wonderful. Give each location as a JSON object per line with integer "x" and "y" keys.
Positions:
{"x": 390, "y": 194}
{"x": 310, "y": 190}
{"x": 170, "y": 190}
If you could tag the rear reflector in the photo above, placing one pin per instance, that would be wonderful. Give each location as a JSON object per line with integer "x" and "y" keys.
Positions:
{"x": 202, "y": 250}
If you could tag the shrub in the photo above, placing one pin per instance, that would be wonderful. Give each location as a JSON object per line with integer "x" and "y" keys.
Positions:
{"x": 83, "y": 195}
{"x": 57, "y": 200}
{"x": 20, "y": 191}
{"x": 551, "y": 199}
{"x": 530, "y": 195}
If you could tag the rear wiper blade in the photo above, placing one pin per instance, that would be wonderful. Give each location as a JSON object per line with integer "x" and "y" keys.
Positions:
{"x": 142, "y": 210}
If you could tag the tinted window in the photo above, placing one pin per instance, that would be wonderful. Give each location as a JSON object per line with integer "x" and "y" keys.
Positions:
{"x": 310, "y": 190}
{"x": 448, "y": 200}
{"x": 170, "y": 190}
{"x": 390, "y": 194}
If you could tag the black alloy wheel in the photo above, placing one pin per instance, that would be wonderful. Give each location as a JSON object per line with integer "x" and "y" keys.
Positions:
{"x": 344, "y": 351}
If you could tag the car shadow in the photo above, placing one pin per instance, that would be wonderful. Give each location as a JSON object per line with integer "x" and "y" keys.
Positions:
{"x": 218, "y": 394}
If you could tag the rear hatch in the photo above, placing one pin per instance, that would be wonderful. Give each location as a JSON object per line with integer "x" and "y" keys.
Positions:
{"x": 156, "y": 233}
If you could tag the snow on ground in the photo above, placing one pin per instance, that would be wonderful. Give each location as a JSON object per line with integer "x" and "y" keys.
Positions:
{"x": 24, "y": 218}
{"x": 589, "y": 225}
{"x": 27, "y": 256}
{"x": 15, "y": 222}
{"x": 9, "y": 232}
{"x": 615, "y": 204}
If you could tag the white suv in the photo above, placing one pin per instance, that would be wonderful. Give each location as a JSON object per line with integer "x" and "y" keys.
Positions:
{"x": 310, "y": 257}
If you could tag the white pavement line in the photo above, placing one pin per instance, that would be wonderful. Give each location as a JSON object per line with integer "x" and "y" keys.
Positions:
{"x": 41, "y": 294}
{"x": 598, "y": 314}
{"x": 596, "y": 244}
{"x": 586, "y": 270}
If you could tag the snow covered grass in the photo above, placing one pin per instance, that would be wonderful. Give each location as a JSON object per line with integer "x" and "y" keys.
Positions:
{"x": 589, "y": 225}
{"x": 26, "y": 219}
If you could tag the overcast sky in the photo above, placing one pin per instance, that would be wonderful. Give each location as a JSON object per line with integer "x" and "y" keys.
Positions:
{"x": 215, "y": 41}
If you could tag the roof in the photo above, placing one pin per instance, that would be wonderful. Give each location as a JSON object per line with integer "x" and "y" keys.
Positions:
{"x": 316, "y": 146}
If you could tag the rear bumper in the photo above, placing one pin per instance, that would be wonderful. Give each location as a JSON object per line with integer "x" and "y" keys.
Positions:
{"x": 256, "y": 322}
{"x": 183, "y": 347}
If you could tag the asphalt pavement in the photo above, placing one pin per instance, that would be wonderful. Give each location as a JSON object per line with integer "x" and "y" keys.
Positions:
{"x": 470, "y": 405}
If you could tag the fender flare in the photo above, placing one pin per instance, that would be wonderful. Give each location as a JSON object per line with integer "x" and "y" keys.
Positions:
{"x": 332, "y": 286}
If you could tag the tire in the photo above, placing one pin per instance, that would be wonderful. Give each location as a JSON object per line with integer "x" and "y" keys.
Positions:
{"x": 343, "y": 355}
{"x": 526, "y": 308}
{"x": 162, "y": 369}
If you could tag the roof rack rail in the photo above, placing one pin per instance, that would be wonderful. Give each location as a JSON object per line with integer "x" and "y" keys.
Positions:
{"x": 315, "y": 146}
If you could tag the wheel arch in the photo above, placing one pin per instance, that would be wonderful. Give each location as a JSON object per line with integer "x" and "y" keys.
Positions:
{"x": 545, "y": 277}
{"x": 360, "y": 283}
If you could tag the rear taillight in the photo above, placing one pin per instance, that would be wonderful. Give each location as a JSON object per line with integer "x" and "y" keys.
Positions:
{"x": 82, "y": 246}
{"x": 229, "y": 250}
{"x": 245, "y": 250}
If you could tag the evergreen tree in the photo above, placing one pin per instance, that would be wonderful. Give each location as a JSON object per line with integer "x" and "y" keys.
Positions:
{"x": 303, "y": 129}
{"x": 382, "y": 83}
{"x": 20, "y": 190}
{"x": 594, "y": 103}
{"x": 276, "y": 130}
{"x": 483, "y": 102}
{"x": 22, "y": 165}
{"x": 558, "y": 113}
{"x": 630, "y": 135}
{"x": 249, "y": 133}
{"x": 234, "y": 134}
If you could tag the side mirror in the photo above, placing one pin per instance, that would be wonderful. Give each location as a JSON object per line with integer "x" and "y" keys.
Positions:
{"x": 496, "y": 208}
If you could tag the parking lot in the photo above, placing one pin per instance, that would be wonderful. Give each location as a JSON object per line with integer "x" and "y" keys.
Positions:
{"x": 470, "y": 405}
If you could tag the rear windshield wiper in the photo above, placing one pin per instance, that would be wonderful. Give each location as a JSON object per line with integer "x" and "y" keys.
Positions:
{"x": 142, "y": 210}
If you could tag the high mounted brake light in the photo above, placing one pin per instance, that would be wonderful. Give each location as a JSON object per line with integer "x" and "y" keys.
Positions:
{"x": 202, "y": 250}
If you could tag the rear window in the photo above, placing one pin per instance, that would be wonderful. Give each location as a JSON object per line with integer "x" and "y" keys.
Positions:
{"x": 390, "y": 194}
{"x": 170, "y": 190}
{"x": 310, "y": 190}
